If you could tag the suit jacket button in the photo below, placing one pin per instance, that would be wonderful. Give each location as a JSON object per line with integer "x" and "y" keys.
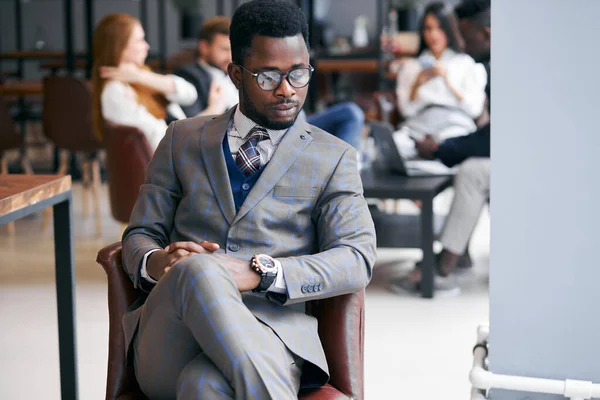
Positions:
{"x": 320, "y": 286}
{"x": 233, "y": 247}
{"x": 302, "y": 137}
{"x": 311, "y": 288}
{"x": 303, "y": 289}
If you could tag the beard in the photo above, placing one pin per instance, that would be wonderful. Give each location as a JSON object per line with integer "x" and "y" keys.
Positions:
{"x": 260, "y": 118}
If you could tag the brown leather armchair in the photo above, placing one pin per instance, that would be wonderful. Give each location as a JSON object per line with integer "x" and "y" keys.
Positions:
{"x": 341, "y": 328}
{"x": 127, "y": 156}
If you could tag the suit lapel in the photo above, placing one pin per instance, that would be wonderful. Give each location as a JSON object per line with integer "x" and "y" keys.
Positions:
{"x": 211, "y": 143}
{"x": 290, "y": 147}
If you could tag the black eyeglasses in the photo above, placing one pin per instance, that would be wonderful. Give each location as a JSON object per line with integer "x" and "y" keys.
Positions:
{"x": 270, "y": 80}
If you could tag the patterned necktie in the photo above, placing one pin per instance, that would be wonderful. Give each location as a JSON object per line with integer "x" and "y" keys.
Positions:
{"x": 248, "y": 159}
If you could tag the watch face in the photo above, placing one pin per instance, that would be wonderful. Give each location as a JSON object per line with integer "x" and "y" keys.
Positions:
{"x": 265, "y": 263}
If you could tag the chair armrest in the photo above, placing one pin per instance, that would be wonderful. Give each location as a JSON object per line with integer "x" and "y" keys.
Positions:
{"x": 121, "y": 382}
{"x": 341, "y": 329}
{"x": 326, "y": 392}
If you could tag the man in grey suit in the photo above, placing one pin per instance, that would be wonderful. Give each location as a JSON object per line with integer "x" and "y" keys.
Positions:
{"x": 242, "y": 219}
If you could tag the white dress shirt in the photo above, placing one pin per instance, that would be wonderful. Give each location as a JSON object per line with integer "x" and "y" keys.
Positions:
{"x": 120, "y": 105}
{"x": 236, "y": 136}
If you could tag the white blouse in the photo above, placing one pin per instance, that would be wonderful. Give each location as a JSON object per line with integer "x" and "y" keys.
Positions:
{"x": 467, "y": 76}
{"x": 120, "y": 105}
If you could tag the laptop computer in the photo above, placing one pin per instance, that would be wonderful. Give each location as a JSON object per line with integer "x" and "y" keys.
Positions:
{"x": 389, "y": 159}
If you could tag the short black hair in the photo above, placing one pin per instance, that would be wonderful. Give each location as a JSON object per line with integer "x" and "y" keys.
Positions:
{"x": 478, "y": 11}
{"x": 272, "y": 18}
{"x": 445, "y": 16}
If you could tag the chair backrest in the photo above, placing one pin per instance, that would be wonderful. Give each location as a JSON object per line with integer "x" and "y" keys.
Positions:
{"x": 341, "y": 329}
{"x": 67, "y": 117}
{"x": 342, "y": 333}
{"x": 9, "y": 138}
{"x": 128, "y": 153}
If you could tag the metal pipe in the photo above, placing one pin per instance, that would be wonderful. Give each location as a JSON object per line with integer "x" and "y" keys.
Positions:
{"x": 19, "y": 36}
{"x": 481, "y": 379}
{"x": 382, "y": 9}
{"x": 162, "y": 34}
{"x": 308, "y": 7}
{"x": 20, "y": 72}
{"x": 68, "y": 21}
{"x": 89, "y": 22}
{"x": 144, "y": 14}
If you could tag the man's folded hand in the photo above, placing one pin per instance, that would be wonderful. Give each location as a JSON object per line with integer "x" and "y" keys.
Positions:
{"x": 160, "y": 262}
{"x": 193, "y": 247}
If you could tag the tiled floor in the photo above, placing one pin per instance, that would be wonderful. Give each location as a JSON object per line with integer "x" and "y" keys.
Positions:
{"x": 415, "y": 348}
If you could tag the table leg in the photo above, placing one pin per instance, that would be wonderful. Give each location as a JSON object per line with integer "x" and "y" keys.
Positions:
{"x": 23, "y": 117}
{"x": 427, "y": 239}
{"x": 65, "y": 294}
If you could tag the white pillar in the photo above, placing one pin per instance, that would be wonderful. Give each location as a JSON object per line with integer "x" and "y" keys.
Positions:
{"x": 545, "y": 228}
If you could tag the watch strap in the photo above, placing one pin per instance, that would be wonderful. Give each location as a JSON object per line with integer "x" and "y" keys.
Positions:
{"x": 266, "y": 280}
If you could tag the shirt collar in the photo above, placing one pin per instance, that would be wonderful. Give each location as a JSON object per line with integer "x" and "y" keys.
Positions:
{"x": 244, "y": 125}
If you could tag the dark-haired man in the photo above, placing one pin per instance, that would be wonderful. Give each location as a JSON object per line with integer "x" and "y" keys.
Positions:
{"x": 242, "y": 219}
{"x": 216, "y": 92}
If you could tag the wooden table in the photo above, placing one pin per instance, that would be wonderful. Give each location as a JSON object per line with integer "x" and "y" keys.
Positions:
{"x": 21, "y": 195}
{"x": 22, "y": 88}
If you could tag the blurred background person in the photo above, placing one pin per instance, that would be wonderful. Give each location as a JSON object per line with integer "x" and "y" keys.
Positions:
{"x": 471, "y": 152}
{"x": 216, "y": 92}
{"x": 441, "y": 92}
{"x": 127, "y": 92}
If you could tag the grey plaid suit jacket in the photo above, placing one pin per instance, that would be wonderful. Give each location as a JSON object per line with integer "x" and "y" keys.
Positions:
{"x": 307, "y": 210}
